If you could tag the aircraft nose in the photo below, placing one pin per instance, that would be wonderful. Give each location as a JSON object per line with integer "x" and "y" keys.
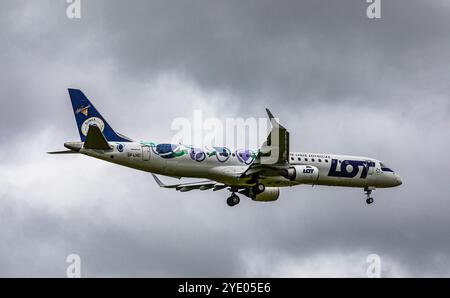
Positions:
{"x": 398, "y": 180}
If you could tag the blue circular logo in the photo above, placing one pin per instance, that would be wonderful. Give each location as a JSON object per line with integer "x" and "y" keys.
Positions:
{"x": 120, "y": 147}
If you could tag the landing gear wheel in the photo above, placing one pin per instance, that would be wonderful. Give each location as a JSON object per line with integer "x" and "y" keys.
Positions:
{"x": 368, "y": 191}
{"x": 233, "y": 200}
{"x": 369, "y": 201}
{"x": 260, "y": 187}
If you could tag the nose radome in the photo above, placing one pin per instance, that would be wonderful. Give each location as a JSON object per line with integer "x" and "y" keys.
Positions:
{"x": 399, "y": 180}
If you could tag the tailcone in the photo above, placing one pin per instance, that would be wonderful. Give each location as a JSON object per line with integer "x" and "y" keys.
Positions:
{"x": 74, "y": 146}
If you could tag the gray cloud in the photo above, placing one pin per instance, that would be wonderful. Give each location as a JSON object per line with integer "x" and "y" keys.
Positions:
{"x": 340, "y": 82}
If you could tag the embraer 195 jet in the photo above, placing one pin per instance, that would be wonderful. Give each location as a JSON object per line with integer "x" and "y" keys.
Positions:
{"x": 258, "y": 174}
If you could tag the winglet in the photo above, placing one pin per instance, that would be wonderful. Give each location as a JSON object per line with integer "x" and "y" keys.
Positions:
{"x": 158, "y": 181}
{"x": 273, "y": 120}
{"x": 269, "y": 114}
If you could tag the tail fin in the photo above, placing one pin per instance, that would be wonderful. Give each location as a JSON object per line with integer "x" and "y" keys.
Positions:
{"x": 86, "y": 114}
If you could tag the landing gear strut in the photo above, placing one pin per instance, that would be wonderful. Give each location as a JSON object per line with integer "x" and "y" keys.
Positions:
{"x": 368, "y": 192}
{"x": 233, "y": 200}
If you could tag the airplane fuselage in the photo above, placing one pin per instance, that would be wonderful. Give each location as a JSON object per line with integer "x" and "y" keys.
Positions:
{"x": 256, "y": 174}
{"x": 226, "y": 166}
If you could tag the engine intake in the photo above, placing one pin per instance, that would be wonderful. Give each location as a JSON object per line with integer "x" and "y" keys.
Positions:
{"x": 268, "y": 195}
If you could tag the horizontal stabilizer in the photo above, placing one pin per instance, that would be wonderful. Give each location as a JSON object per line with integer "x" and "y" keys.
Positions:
{"x": 95, "y": 139}
{"x": 63, "y": 152}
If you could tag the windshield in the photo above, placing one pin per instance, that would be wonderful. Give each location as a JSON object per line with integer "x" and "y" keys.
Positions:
{"x": 385, "y": 168}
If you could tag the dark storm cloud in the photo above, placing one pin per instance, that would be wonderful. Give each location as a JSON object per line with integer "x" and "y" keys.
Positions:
{"x": 369, "y": 87}
{"x": 293, "y": 50}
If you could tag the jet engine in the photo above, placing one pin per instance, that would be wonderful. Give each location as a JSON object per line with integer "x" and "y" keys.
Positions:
{"x": 269, "y": 194}
{"x": 302, "y": 174}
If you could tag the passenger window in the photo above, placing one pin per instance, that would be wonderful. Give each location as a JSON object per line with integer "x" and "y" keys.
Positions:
{"x": 299, "y": 159}
{"x": 320, "y": 160}
{"x": 312, "y": 160}
{"x": 306, "y": 159}
{"x": 326, "y": 160}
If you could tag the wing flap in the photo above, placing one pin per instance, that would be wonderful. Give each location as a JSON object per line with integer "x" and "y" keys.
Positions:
{"x": 185, "y": 187}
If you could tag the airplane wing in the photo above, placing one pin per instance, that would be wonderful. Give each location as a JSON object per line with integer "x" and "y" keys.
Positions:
{"x": 183, "y": 187}
{"x": 273, "y": 154}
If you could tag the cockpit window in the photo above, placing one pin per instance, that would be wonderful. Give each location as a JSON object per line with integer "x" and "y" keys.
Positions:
{"x": 385, "y": 168}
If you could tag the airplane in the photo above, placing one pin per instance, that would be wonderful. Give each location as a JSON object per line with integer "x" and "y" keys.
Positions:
{"x": 256, "y": 174}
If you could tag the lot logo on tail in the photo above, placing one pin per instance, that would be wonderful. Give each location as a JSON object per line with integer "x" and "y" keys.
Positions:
{"x": 92, "y": 121}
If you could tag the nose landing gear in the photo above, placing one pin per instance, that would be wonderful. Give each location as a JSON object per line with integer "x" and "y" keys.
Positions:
{"x": 368, "y": 191}
{"x": 369, "y": 200}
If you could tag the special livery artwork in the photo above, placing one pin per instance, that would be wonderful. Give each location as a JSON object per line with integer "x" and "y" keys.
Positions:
{"x": 239, "y": 171}
{"x": 221, "y": 154}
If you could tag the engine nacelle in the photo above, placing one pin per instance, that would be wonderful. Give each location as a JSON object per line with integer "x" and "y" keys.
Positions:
{"x": 302, "y": 174}
{"x": 269, "y": 194}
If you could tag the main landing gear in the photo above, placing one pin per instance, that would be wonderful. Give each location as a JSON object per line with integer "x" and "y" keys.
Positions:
{"x": 259, "y": 188}
{"x": 233, "y": 200}
{"x": 368, "y": 191}
{"x": 250, "y": 192}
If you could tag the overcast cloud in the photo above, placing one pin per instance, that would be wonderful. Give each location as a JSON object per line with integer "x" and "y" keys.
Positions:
{"x": 340, "y": 82}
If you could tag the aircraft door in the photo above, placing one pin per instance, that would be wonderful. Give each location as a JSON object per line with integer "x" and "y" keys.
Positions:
{"x": 370, "y": 166}
{"x": 145, "y": 153}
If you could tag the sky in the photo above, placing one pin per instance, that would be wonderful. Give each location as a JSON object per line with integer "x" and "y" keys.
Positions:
{"x": 340, "y": 82}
